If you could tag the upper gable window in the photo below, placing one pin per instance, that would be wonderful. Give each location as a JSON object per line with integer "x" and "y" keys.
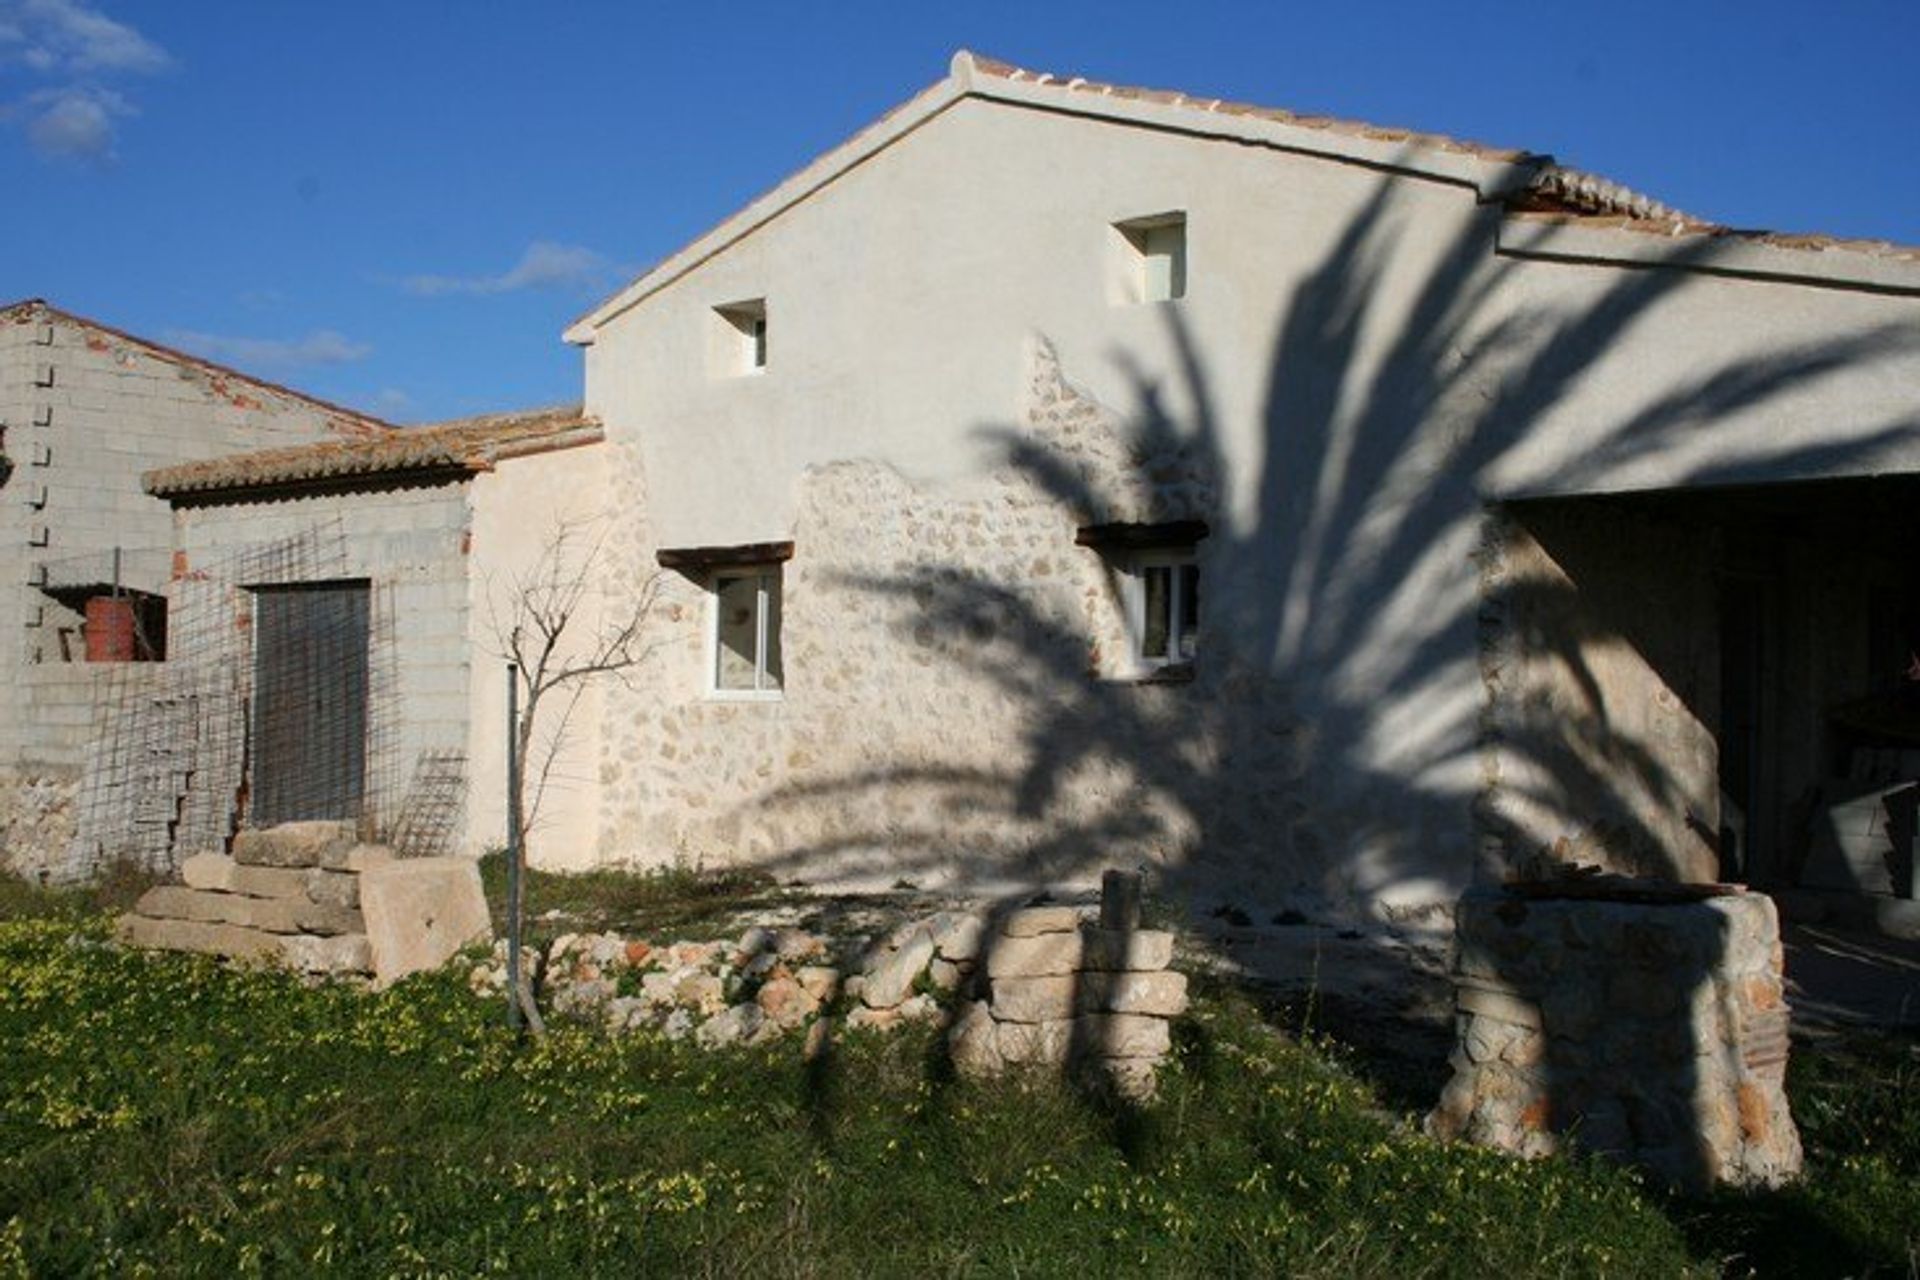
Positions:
{"x": 739, "y": 343}
{"x": 1151, "y": 258}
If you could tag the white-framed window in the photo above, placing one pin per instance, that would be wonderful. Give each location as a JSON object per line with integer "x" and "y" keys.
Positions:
{"x": 739, "y": 345}
{"x": 744, "y": 632}
{"x": 1161, "y": 592}
{"x": 1150, "y": 259}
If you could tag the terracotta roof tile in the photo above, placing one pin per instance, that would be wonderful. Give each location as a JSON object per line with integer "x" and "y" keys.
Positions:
{"x": 462, "y": 445}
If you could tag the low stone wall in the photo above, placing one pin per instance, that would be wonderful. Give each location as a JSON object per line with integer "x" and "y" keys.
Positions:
{"x": 1040, "y": 987}
{"x": 1652, "y": 1031}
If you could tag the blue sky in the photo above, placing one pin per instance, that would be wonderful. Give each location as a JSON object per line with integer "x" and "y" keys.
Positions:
{"x": 400, "y": 205}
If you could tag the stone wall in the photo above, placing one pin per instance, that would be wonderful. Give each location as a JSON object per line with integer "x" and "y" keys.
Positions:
{"x": 1652, "y": 1031}
{"x": 956, "y": 709}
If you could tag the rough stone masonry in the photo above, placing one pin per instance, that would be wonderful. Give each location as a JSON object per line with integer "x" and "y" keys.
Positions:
{"x": 1643, "y": 1021}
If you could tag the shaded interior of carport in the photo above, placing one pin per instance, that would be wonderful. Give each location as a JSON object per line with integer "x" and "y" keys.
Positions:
{"x": 1719, "y": 683}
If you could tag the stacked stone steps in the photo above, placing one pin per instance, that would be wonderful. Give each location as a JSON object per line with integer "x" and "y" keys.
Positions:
{"x": 1063, "y": 991}
{"x": 288, "y": 894}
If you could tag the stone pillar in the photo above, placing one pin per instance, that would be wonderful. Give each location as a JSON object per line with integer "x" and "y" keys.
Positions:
{"x": 1064, "y": 992}
{"x": 1643, "y": 1021}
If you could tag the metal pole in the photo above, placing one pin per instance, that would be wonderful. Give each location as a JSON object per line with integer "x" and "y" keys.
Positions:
{"x": 513, "y": 845}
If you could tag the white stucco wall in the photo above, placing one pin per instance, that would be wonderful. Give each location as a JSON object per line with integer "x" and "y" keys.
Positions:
{"x": 517, "y": 555}
{"x": 1360, "y": 364}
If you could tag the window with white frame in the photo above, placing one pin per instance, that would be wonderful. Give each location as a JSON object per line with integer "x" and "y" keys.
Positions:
{"x": 1163, "y": 608}
{"x": 745, "y": 631}
{"x": 1156, "y": 572}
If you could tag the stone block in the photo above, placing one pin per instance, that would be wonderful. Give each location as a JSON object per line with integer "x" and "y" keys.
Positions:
{"x": 1034, "y": 1044}
{"x": 1031, "y": 922}
{"x": 1490, "y": 1001}
{"x": 293, "y": 844}
{"x": 231, "y": 941}
{"x": 212, "y": 871}
{"x": 956, "y": 936}
{"x": 334, "y": 888}
{"x": 421, "y": 911}
{"x": 355, "y": 857}
{"x": 270, "y": 882}
{"x": 1160, "y": 995}
{"x": 1140, "y": 949}
{"x": 1042, "y": 956}
{"x": 1034, "y": 999}
{"x": 891, "y": 979}
{"x": 342, "y": 953}
{"x": 973, "y": 1041}
{"x": 1122, "y": 1035}
{"x": 173, "y": 902}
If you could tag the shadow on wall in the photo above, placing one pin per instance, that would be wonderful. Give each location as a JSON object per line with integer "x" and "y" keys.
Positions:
{"x": 1358, "y": 588}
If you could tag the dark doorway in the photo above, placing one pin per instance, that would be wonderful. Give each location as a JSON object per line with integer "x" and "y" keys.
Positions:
{"x": 309, "y": 702}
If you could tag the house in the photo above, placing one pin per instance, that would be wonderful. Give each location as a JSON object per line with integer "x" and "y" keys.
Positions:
{"x": 85, "y": 555}
{"x": 1059, "y": 475}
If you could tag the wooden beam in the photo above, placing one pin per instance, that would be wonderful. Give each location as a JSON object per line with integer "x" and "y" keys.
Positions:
{"x": 694, "y": 560}
{"x": 1125, "y": 536}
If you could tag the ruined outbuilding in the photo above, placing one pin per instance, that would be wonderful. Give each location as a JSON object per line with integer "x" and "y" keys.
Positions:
{"x": 86, "y": 555}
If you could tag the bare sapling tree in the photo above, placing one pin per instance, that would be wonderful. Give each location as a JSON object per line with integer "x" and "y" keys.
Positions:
{"x": 560, "y": 632}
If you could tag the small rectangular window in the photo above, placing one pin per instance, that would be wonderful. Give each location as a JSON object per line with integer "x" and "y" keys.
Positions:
{"x": 739, "y": 343}
{"x": 1152, "y": 258}
{"x": 746, "y": 631}
{"x": 1164, "y": 608}
{"x": 1156, "y": 571}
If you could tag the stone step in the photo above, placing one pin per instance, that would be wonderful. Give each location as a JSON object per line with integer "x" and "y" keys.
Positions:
{"x": 295, "y": 844}
{"x": 216, "y": 871}
{"x": 270, "y": 915}
{"x": 346, "y": 953}
{"x": 231, "y": 940}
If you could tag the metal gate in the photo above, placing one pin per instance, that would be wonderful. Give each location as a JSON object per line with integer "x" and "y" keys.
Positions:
{"x": 309, "y": 702}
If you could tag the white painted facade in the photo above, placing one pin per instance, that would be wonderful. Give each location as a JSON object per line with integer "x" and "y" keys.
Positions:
{"x": 1370, "y": 348}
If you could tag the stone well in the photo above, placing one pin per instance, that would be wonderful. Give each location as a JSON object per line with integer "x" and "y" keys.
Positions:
{"x": 1640, "y": 1020}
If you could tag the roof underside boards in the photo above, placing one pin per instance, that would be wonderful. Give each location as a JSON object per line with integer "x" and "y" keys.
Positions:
{"x": 452, "y": 449}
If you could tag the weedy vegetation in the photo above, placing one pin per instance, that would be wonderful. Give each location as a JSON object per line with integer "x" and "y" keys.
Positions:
{"x": 170, "y": 1115}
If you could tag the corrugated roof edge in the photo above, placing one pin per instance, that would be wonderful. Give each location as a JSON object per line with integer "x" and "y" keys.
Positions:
{"x": 456, "y": 448}
{"x": 15, "y": 312}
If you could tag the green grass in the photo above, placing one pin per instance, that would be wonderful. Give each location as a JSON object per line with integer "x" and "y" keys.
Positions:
{"x": 677, "y": 897}
{"x": 166, "y": 1115}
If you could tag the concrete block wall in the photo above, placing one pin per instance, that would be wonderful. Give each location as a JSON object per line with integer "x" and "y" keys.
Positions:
{"x": 87, "y": 410}
{"x": 410, "y": 544}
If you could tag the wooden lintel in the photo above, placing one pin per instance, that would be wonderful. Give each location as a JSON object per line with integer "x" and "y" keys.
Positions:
{"x": 1127, "y": 536}
{"x": 701, "y": 559}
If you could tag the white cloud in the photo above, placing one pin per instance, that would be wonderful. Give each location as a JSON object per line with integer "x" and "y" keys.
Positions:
{"x": 321, "y": 347}
{"x": 544, "y": 265}
{"x": 73, "y": 45}
{"x": 74, "y": 123}
{"x": 392, "y": 400}
{"x": 66, "y": 37}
